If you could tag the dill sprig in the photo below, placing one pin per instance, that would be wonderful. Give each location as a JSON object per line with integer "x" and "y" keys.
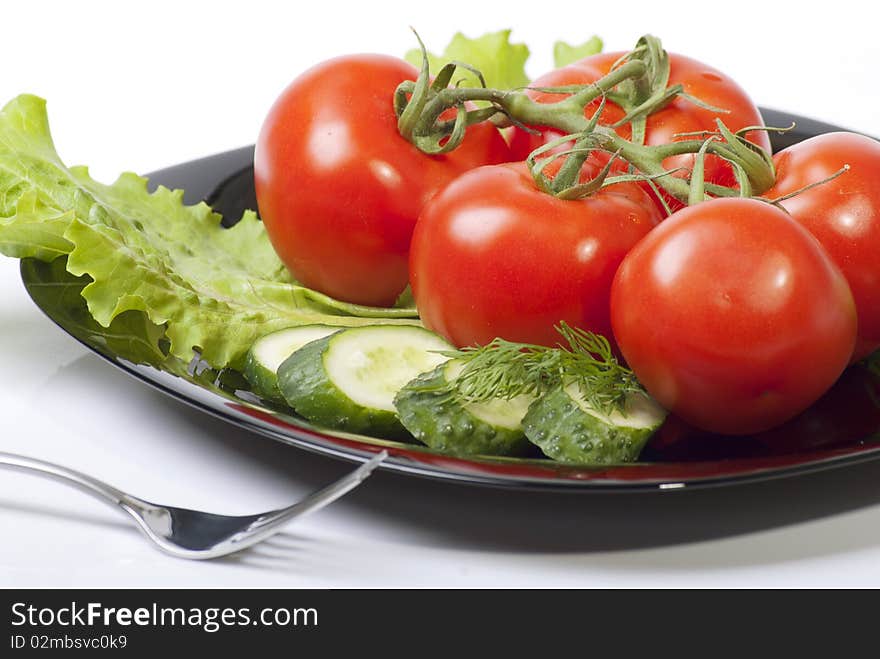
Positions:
{"x": 505, "y": 369}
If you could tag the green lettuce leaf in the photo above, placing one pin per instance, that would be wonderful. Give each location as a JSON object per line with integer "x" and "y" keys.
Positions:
{"x": 502, "y": 63}
{"x": 130, "y": 335}
{"x": 564, "y": 54}
{"x": 212, "y": 289}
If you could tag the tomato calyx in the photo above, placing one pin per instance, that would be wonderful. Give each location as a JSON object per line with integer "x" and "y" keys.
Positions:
{"x": 411, "y": 100}
{"x": 752, "y": 167}
{"x": 638, "y": 84}
{"x": 419, "y": 104}
{"x": 641, "y": 96}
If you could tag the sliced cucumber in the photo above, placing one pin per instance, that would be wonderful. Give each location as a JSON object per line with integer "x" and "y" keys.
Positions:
{"x": 447, "y": 424}
{"x": 349, "y": 380}
{"x": 564, "y": 426}
{"x": 268, "y": 352}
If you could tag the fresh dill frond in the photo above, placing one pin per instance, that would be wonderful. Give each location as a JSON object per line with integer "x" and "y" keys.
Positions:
{"x": 603, "y": 381}
{"x": 505, "y": 369}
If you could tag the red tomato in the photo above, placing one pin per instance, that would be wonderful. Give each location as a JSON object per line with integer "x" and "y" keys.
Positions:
{"x": 844, "y": 214}
{"x": 680, "y": 116}
{"x": 492, "y": 256}
{"x": 339, "y": 189}
{"x": 733, "y": 316}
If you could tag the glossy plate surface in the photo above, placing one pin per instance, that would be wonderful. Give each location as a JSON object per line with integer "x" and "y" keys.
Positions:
{"x": 842, "y": 428}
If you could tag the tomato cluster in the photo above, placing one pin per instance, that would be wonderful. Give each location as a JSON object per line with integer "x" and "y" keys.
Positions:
{"x": 735, "y": 313}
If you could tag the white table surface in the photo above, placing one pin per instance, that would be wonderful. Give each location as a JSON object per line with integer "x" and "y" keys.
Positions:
{"x": 148, "y": 87}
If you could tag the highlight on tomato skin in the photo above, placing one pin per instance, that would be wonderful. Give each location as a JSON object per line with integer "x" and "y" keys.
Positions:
{"x": 842, "y": 213}
{"x": 494, "y": 256}
{"x": 339, "y": 189}
{"x": 732, "y": 316}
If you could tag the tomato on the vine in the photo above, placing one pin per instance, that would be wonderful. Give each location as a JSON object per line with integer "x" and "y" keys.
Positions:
{"x": 339, "y": 189}
{"x": 843, "y": 213}
{"x": 733, "y": 316}
{"x": 679, "y": 117}
{"x": 494, "y": 256}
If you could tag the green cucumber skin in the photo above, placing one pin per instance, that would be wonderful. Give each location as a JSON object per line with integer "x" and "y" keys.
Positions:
{"x": 442, "y": 423}
{"x": 555, "y": 424}
{"x": 307, "y": 389}
{"x": 263, "y": 381}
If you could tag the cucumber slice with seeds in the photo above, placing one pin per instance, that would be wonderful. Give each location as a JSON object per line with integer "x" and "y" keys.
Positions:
{"x": 447, "y": 424}
{"x": 566, "y": 428}
{"x": 348, "y": 380}
{"x": 267, "y": 354}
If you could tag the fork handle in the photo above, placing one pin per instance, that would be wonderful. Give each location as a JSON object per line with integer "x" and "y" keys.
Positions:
{"x": 81, "y": 481}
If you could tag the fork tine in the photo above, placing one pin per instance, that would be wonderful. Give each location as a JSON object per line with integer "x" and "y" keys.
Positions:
{"x": 194, "y": 534}
{"x": 266, "y": 525}
{"x": 335, "y": 490}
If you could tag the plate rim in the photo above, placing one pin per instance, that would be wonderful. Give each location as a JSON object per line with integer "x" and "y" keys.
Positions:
{"x": 401, "y": 460}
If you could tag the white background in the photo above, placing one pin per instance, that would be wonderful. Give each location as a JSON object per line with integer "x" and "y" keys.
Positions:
{"x": 143, "y": 85}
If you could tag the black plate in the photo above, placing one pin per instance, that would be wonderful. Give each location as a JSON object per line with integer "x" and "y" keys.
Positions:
{"x": 842, "y": 428}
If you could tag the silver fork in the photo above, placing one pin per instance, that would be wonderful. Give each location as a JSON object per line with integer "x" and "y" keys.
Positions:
{"x": 188, "y": 533}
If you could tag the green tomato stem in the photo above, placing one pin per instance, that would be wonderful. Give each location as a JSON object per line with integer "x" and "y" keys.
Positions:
{"x": 638, "y": 84}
